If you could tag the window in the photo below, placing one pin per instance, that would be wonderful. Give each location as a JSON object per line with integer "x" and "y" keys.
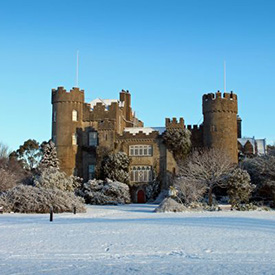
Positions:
{"x": 92, "y": 138}
{"x": 74, "y": 139}
{"x": 141, "y": 173}
{"x": 54, "y": 116}
{"x": 74, "y": 115}
{"x": 140, "y": 150}
{"x": 91, "y": 171}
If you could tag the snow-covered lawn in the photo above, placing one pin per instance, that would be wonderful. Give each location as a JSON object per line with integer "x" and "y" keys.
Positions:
{"x": 132, "y": 239}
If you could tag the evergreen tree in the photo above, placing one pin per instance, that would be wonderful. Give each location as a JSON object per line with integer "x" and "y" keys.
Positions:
{"x": 239, "y": 187}
{"x": 178, "y": 141}
{"x": 116, "y": 166}
{"x": 49, "y": 158}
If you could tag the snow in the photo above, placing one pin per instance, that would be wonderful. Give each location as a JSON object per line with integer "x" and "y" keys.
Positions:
{"x": 145, "y": 130}
{"x": 106, "y": 102}
{"x": 132, "y": 239}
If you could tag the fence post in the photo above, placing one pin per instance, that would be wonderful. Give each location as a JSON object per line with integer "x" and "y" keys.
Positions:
{"x": 51, "y": 214}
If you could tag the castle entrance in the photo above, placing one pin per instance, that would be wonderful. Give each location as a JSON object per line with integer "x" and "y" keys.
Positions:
{"x": 141, "y": 196}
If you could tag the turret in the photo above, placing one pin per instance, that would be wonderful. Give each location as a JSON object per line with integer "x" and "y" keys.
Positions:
{"x": 174, "y": 123}
{"x": 67, "y": 116}
{"x": 220, "y": 123}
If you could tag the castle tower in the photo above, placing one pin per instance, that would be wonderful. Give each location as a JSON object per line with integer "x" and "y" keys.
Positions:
{"x": 67, "y": 115}
{"x": 220, "y": 123}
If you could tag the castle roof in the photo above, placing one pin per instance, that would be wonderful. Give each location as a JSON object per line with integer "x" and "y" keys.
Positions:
{"x": 106, "y": 102}
{"x": 145, "y": 130}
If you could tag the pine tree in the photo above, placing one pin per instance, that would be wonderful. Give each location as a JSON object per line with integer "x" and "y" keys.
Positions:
{"x": 49, "y": 158}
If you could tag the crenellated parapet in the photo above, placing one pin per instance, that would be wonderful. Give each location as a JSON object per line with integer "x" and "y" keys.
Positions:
{"x": 194, "y": 127}
{"x": 138, "y": 136}
{"x": 174, "y": 123}
{"x": 61, "y": 95}
{"x": 218, "y": 102}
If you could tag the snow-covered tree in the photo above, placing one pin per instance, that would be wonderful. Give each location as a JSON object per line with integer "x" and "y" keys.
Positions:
{"x": 239, "y": 187}
{"x": 30, "y": 199}
{"x": 207, "y": 168}
{"x": 7, "y": 180}
{"x": 178, "y": 141}
{"x": 49, "y": 155}
{"x": 105, "y": 192}
{"x": 52, "y": 177}
{"x": 116, "y": 167}
{"x": 262, "y": 172}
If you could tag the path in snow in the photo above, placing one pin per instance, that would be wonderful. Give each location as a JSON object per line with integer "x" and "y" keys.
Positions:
{"x": 132, "y": 239}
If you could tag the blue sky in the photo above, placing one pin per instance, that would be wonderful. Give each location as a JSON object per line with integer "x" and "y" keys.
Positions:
{"x": 166, "y": 53}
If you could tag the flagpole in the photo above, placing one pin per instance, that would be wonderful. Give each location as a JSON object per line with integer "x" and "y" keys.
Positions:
{"x": 77, "y": 64}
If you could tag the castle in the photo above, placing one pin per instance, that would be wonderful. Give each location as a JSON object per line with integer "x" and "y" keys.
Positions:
{"x": 79, "y": 129}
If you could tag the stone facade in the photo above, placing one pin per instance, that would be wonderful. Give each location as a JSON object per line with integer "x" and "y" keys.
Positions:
{"x": 79, "y": 129}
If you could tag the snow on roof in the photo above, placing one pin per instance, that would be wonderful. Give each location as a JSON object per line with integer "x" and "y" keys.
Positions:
{"x": 106, "y": 102}
{"x": 261, "y": 146}
{"x": 260, "y": 143}
{"x": 145, "y": 130}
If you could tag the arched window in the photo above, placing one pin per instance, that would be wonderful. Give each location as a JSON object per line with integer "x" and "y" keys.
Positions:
{"x": 74, "y": 115}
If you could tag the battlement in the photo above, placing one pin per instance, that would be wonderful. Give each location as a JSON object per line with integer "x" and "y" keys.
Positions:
{"x": 218, "y": 102}
{"x": 174, "y": 123}
{"x": 218, "y": 95}
{"x": 194, "y": 127}
{"x": 139, "y": 135}
{"x": 61, "y": 95}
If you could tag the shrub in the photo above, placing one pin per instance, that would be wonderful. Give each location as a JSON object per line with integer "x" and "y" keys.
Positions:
{"x": 29, "y": 199}
{"x": 105, "y": 192}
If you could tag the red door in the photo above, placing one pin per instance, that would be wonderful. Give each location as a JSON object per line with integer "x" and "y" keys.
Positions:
{"x": 140, "y": 196}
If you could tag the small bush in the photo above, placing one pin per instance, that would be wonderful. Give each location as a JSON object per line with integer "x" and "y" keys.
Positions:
{"x": 170, "y": 205}
{"x": 105, "y": 192}
{"x": 29, "y": 199}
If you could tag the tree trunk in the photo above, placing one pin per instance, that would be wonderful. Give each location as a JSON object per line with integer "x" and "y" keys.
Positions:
{"x": 210, "y": 197}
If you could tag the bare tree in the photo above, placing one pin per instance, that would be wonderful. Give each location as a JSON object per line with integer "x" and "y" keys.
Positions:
{"x": 203, "y": 170}
{"x": 4, "y": 151}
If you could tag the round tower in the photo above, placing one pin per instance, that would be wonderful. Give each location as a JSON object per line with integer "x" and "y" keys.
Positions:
{"x": 67, "y": 114}
{"x": 220, "y": 123}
